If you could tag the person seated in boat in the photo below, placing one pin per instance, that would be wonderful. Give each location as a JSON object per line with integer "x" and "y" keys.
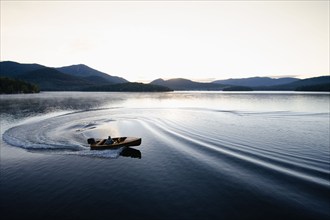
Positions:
{"x": 109, "y": 140}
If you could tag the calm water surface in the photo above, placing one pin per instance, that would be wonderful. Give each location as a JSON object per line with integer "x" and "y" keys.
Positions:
{"x": 204, "y": 155}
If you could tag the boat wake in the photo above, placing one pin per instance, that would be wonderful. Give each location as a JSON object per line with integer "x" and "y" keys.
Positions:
{"x": 256, "y": 149}
{"x": 211, "y": 136}
{"x": 66, "y": 133}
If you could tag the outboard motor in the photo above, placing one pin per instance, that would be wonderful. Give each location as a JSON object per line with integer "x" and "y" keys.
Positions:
{"x": 91, "y": 141}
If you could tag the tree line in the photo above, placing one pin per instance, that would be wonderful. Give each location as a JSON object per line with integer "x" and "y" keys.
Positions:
{"x": 14, "y": 86}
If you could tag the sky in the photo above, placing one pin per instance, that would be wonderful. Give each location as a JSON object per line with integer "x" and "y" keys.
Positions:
{"x": 145, "y": 40}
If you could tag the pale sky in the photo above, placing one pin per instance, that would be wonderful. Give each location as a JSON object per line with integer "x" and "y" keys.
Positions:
{"x": 146, "y": 40}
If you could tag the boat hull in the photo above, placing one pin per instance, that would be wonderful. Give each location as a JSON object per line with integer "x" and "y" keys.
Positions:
{"x": 117, "y": 143}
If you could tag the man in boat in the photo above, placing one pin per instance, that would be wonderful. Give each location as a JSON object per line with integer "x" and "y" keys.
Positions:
{"x": 109, "y": 140}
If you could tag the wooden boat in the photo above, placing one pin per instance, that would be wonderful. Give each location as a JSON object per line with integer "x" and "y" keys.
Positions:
{"x": 116, "y": 143}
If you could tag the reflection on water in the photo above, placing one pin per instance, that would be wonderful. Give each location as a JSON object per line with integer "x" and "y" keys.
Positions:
{"x": 32, "y": 104}
{"x": 225, "y": 155}
{"x": 131, "y": 152}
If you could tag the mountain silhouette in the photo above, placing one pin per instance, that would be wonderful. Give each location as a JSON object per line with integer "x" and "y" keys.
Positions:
{"x": 321, "y": 83}
{"x": 71, "y": 78}
{"x": 186, "y": 84}
{"x": 257, "y": 81}
{"x": 90, "y": 74}
{"x": 50, "y": 79}
{"x": 83, "y": 78}
{"x": 13, "y": 69}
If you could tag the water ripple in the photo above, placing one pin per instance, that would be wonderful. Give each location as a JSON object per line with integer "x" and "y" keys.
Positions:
{"x": 210, "y": 136}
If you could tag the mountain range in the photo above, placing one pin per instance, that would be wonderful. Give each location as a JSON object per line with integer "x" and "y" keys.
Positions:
{"x": 186, "y": 84}
{"x": 90, "y": 74}
{"x": 70, "y": 78}
{"x": 321, "y": 83}
{"x": 83, "y": 78}
{"x": 47, "y": 77}
{"x": 257, "y": 81}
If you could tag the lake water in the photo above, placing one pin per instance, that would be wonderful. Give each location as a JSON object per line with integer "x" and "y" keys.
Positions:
{"x": 204, "y": 155}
